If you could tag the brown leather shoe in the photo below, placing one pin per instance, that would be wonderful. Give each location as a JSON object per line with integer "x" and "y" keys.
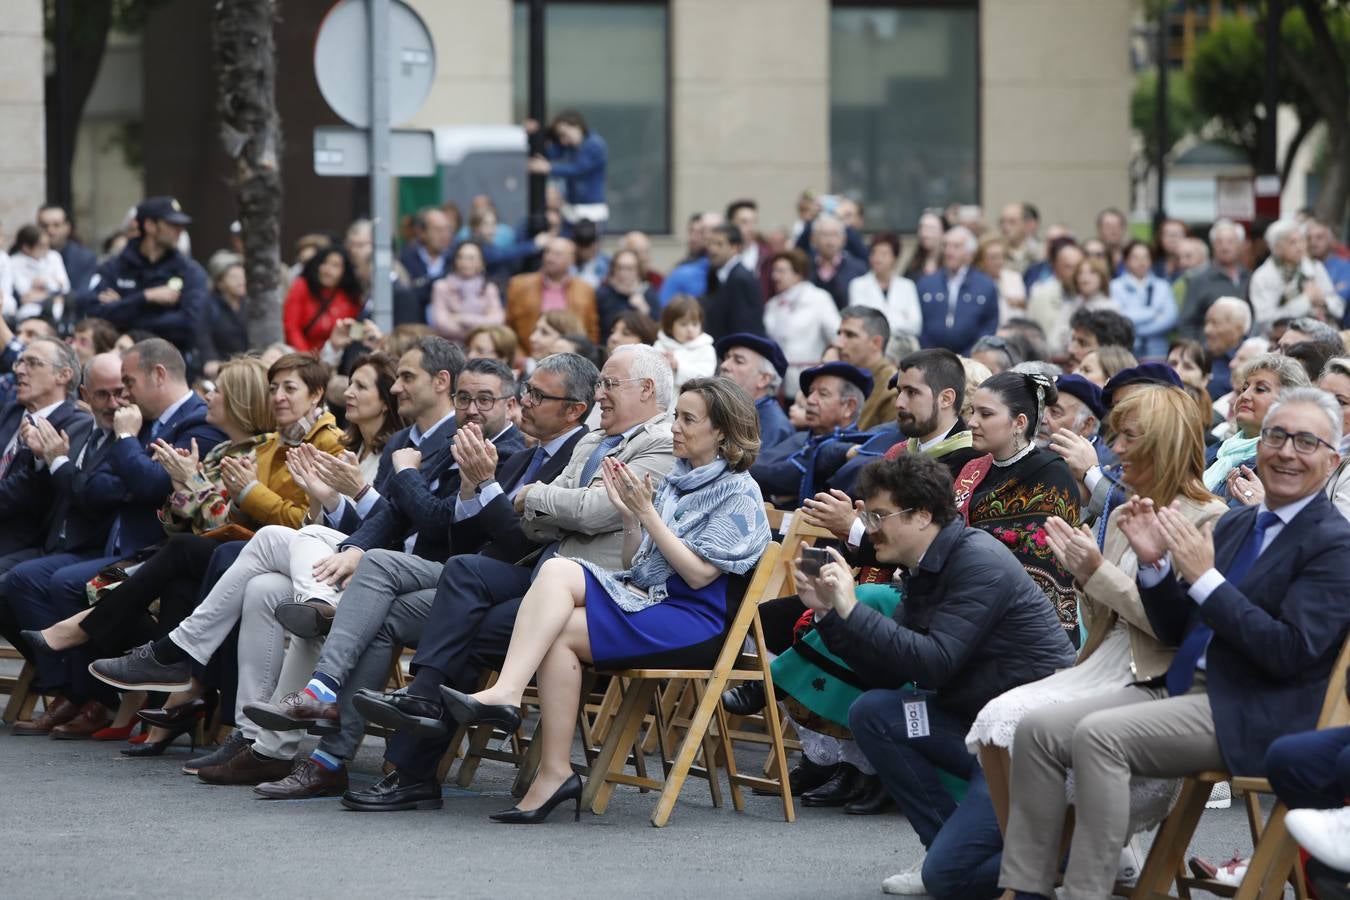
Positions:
{"x": 92, "y": 716}
{"x": 246, "y": 768}
{"x": 299, "y": 710}
{"x": 58, "y": 712}
{"x": 307, "y": 779}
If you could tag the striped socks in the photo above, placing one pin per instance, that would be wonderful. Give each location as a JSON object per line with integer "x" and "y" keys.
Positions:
{"x": 323, "y": 688}
{"x": 326, "y": 760}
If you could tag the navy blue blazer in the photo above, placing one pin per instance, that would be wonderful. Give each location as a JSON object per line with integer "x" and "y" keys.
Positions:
{"x": 409, "y": 505}
{"x": 496, "y": 531}
{"x": 975, "y": 316}
{"x": 142, "y": 485}
{"x": 25, "y": 491}
{"x": 734, "y": 305}
{"x": 86, "y": 495}
{"x": 1277, "y": 632}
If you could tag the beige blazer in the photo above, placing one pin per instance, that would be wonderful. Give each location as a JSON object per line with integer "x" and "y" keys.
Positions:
{"x": 581, "y": 516}
{"x": 1112, "y": 593}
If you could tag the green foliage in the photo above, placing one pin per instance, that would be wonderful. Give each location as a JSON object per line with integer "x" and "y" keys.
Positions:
{"x": 1182, "y": 116}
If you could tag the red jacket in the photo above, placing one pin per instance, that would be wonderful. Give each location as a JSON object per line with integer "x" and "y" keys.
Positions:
{"x": 307, "y": 323}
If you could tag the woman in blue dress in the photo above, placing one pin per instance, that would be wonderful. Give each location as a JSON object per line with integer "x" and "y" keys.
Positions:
{"x": 668, "y": 608}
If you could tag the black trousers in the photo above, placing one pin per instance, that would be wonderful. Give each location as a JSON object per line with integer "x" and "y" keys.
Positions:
{"x": 173, "y": 576}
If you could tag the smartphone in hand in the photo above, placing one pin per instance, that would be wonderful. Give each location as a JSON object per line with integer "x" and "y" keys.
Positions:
{"x": 812, "y": 560}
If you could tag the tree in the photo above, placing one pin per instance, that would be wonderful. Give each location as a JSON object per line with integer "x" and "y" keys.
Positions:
{"x": 250, "y": 128}
{"x": 1182, "y": 116}
{"x": 1323, "y": 70}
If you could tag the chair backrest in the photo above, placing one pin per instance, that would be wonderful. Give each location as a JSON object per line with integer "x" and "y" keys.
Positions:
{"x": 1336, "y": 705}
{"x": 799, "y": 534}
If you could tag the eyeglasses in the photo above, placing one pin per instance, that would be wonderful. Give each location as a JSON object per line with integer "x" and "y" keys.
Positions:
{"x": 32, "y": 362}
{"x": 485, "y": 402}
{"x": 102, "y": 396}
{"x": 533, "y": 397}
{"x": 872, "y": 521}
{"x": 609, "y": 384}
{"x": 1304, "y": 441}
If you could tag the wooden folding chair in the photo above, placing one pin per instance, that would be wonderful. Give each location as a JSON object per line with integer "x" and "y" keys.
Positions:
{"x": 22, "y": 697}
{"x": 639, "y": 688}
{"x": 1274, "y": 860}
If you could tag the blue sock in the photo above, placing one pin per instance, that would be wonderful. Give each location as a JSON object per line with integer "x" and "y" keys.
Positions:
{"x": 327, "y": 760}
{"x": 323, "y": 687}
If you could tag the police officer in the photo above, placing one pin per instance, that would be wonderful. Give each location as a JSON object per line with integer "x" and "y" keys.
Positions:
{"x": 150, "y": 285}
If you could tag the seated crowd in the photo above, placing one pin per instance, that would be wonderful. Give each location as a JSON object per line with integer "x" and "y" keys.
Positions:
{"x": 1088, "y": 503}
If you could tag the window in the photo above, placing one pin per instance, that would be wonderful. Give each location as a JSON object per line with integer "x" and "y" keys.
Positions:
{"x": 609, "y": 61}
{"x": 904, "y": 109}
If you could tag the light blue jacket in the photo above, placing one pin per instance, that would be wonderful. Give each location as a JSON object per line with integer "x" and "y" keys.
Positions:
{"x": 1152, "y": 308}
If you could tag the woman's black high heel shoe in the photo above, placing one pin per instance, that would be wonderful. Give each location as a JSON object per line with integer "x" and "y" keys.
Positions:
{"x": 468, "y": 711}
{"x": 568, "y": 790}
{"x": 171, "y": 716}
{"x": 179, "y": 728}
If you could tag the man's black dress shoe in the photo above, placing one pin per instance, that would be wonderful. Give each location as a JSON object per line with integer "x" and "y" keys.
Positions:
{"x": 803, "y": 777}
{"x": 846, "y": 786}
{"x": 403, "y": 711}
{"x": 873, "y": 801}
{"x": 745, "y": 699}
{"x": 393, "y": 793}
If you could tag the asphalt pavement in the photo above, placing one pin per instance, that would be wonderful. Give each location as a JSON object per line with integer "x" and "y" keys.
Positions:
{"x": 79, "y": 820}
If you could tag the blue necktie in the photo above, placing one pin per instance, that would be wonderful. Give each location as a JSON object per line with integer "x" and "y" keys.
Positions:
{"x": 538, "y": 457}
{"x": 593, "y": 464}
{"x": 1181, "y": 673}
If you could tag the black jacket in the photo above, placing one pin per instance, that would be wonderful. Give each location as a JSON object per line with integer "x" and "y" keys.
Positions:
{"x": 1277, "y": 632}
{"x": 496, "y": 531}
{"x": 972, "y": 625}
{"x": 734, "y": 305}
{"x": 129, "y": 274}
{"x": 850, "y": 267}
{"x": 225, "y": 332}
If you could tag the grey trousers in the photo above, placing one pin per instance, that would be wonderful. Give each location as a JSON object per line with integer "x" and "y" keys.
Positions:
{"x": 384, "y": 606}
{"x": 1105, "y": 740}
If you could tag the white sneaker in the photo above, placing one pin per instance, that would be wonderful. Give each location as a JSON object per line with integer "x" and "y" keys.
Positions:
{"x": 1324, "y": 833}
{"x": 1220, "y": 796}
{"x": 1130, "y": 862}
{"x": 908, "y": 883}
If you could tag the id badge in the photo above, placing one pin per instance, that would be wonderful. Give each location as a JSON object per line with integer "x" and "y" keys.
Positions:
{"x": 916, "y": 716}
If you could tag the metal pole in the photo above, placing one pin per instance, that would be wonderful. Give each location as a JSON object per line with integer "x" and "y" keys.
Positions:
{"x": 538, "y": 183}
{"x": 1266, "y": 155}
{"x": 381, "y": 292}
{"x": 1160, "y": 124}
{"x": 60, "y": 180}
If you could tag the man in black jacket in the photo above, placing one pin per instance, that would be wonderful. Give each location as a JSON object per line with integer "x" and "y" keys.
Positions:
{"x": 972, "y": 625}
{"x": 733, "y": 302}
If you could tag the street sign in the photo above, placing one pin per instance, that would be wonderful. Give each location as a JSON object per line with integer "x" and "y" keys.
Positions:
{"x": 345, "y": 152}
{"x": 342, "y": 62}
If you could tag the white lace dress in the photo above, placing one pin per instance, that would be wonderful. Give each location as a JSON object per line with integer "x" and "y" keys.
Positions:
{"x": 1106, "y": 670}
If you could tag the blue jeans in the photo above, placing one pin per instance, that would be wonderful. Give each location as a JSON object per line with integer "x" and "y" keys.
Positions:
{"x": 908, "y": 768}
{"x": 1311, "y": 769}
{"x": 964, "y": 858}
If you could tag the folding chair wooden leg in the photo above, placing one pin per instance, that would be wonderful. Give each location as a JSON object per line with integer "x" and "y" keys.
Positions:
{"x": 684, "y": 759}
{"x": 776, "y": 726}
{"x": 623, "y": 733}
{"x": 22, "y": 698}
{"x": 1168, "y": 854}
{"x": 1274, "y": 861}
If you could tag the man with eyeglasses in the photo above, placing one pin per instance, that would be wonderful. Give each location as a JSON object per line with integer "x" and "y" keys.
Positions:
{"x": 469, "y": 607}
{"x": 971, "y": 624}
{"x": 1256, "y": 607}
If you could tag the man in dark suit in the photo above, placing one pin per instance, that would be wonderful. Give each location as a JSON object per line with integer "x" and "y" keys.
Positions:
{"x": 475, "y": 605}
{"x": 426, "y": 259}
{"x": 108, "y": 495}
{"x": 832, "y": 265}
{"x": 1256, "y": 608}
{"x": 46, "y": 374}
{"x": 733, "y": 302}
{"x": 409, "y": 509}
{"x": 789, "y": 471}
{"x": 958, "y": 301}
{"x": 393, "y": 595}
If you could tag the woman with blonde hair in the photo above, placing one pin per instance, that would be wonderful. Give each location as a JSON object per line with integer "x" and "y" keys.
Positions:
{"x": 1101, "y": 365}
{"x": 1159, "y": 437}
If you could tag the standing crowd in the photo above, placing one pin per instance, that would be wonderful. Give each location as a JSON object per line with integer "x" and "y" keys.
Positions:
{"x": 1087, "y": 493}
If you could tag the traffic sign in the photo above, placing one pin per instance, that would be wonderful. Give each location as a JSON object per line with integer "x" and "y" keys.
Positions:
{"x": 342, "y": 61}
{"x": 343, "y": 151}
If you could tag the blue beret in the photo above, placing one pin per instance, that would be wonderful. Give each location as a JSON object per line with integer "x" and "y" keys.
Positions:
{"x": 850, "y": 373}
{"x": 765, "y": 347}
{"x": 1147, "y": 373}
{"x": 1079, "y": 387}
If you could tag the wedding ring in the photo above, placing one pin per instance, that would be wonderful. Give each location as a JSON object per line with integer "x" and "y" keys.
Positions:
{"x": 1247, "y": 494}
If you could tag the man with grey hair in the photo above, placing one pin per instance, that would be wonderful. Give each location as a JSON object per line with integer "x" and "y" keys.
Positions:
{"x": 1227, "y": 322}
{"x": 471, "y": 614}
{"x": 1225, "y": 276}
{"x": 1256, "y": 608}
{"x": 790, "y": 471}
{"x": 832, "y": 265}
{"x": 758, "y": 365}
{"x": 1291, "y": 283}
{"x": 959, "y": 302}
